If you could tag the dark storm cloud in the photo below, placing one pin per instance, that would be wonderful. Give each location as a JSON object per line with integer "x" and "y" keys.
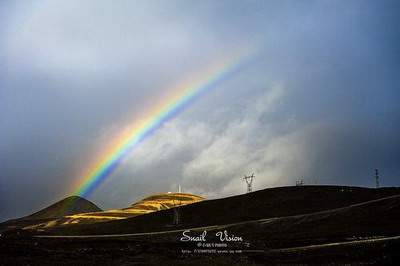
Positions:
{"x": 319, "y": 103}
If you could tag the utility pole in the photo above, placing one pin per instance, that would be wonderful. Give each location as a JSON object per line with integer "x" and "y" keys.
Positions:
{"x": 177, "y": 216}
{"x": 249, "y": 181}
{"x": 377, "y": 178}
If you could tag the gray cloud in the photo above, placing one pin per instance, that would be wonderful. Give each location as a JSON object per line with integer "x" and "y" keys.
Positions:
{"x": 319, "y": 102}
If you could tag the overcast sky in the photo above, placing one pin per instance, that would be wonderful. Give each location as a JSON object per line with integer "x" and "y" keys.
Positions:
{"x": 319, "y": 102}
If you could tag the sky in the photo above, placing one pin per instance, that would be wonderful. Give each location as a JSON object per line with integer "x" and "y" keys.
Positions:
{"x": 318, "y": 101}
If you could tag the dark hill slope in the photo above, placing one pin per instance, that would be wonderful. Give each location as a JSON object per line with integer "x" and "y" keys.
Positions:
{"x": 374, "y": 218}
{"x": 363, "y": 222}
{"x": 267, "y": 203}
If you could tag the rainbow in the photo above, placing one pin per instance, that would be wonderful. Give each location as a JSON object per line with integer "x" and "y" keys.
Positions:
{"x": 141, "y": 129}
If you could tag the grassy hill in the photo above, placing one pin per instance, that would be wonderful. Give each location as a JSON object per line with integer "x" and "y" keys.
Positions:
{"x": 263, "y": 204}
{"x": 68, "y": 206}
{"x": 308, "y": 225}
{"x": 380, "y": 217}
{"x": 76, "y": 210}
{"x": 149, "y": 204}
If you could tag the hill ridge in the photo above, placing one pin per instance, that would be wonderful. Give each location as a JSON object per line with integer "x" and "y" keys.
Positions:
{"x": 267, "y": 203}
{"x": 70, "y": 205}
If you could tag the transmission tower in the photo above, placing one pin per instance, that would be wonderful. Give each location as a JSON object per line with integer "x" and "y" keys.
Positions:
{"x": 299, "y": 182}
{"x": 377, "y": 178}
{"x": 249, "y": 181}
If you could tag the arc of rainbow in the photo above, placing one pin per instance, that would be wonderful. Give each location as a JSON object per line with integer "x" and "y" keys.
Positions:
{"x": 184, "y": 95}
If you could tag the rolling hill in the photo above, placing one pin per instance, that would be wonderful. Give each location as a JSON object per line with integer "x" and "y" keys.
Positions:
{"x": 263, "y": 204}
{"x": 68, "y": 206}
{"x": 149, "y": 204}
{"x": 76, "y": 210}
{"x": 305, "y": 225}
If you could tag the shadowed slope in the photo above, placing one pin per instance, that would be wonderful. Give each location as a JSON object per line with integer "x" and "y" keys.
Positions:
{"x": 375, "y": 218}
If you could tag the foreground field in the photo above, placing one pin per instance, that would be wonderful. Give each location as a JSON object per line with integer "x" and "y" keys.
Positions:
{"x": 312, "y": 225}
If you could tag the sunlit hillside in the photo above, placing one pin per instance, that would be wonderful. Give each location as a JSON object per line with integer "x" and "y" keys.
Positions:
{"x": 147, "y": 205}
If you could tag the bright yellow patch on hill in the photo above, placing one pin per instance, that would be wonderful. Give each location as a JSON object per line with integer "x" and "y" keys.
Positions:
{"x": 150, "y": 204}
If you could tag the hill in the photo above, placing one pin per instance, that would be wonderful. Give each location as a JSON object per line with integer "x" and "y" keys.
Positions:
{"x": 156, "y": 202}
{"x": 309, "y": 225}
{"x": 371, "y": 219}
{"x": 68, "y": 206}
{"x": 44, "y": 219}
{"x": 263, "y": 204}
